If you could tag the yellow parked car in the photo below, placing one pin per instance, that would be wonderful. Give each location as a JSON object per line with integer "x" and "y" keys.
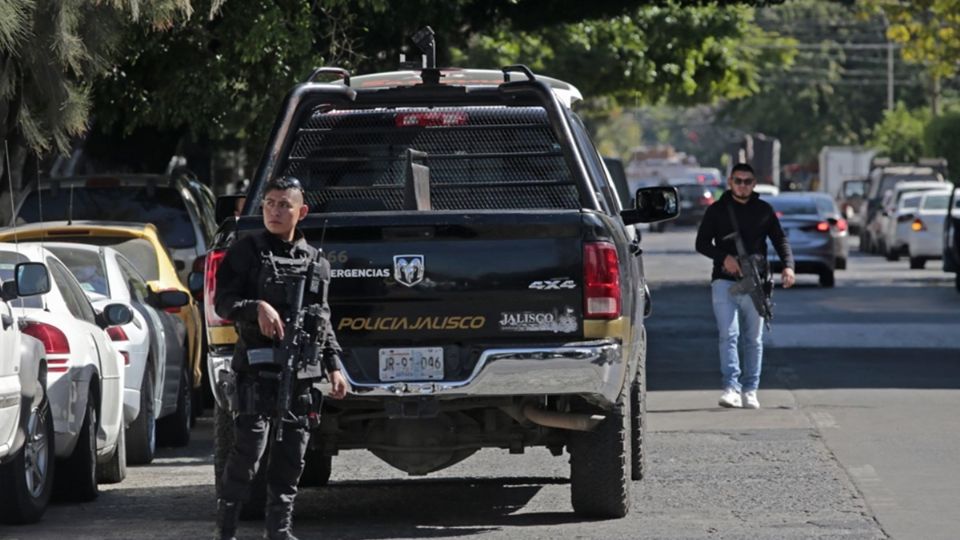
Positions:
{"x": 141, "y": 244}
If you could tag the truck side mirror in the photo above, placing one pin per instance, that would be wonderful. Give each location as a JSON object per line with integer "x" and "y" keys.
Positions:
{"x": 653, "y": 204}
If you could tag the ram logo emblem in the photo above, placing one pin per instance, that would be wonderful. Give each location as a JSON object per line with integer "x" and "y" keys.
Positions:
{"x": 408, "y": 269}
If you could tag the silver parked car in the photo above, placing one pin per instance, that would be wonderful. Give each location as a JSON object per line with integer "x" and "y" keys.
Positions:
{"x": 151, "y": 344}
{"x": 816, "y": 231}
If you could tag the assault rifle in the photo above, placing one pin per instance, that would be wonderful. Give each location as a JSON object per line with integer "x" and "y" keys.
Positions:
{"x": 304, "y": 335}
{"x": 750, "y": 281}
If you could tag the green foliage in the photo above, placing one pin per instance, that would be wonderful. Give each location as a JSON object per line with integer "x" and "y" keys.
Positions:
{"x": 831, "y": 95}
{"x": 941, "y": 138}
{"x": 50, "y": 52}
{"x": 655, "y": 54}
{"x": 929, "y": 31}
{"x": 900, "y": 135}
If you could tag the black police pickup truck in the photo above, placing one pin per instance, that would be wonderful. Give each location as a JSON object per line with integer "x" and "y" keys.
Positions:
{"x": 487, "y": 286}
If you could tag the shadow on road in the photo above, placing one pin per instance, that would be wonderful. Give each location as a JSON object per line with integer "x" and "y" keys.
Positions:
{"x": 682, "y": 352}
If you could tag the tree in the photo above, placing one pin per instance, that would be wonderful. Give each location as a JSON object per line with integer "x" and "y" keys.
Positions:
{"x": 222, "y": 79}
{"x": 900, "y": 135}
{"x": 929, "y": 31}
{"x": 831, "y": 94}
{"x": 50, "y": 52}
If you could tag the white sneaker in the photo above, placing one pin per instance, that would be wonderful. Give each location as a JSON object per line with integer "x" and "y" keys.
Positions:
{"x": 750, "y": 400}
{"x": 730, "y": 399}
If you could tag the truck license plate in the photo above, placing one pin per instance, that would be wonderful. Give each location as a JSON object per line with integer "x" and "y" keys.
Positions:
{"x": 411, "y": 364}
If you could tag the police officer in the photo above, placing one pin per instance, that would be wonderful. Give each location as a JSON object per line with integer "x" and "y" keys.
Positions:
{"x": 245, "y": 295}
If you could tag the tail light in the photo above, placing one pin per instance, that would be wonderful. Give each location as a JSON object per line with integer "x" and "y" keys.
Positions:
{"x": 823, "y": 226}
{"x": 842, "y": 225}
{"x": 428, "y": 119}
{"x": 706, "y": 199}
{"x": 54, "y": 342}
{"x": 116, "y": 333}
{"x": 601, "y": 278}
{"x": 211, "y": 265}
{"x": 918, "y": 225}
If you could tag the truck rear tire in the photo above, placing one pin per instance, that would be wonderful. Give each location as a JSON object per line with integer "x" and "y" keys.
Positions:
{"x": 316, "y": 469}
{"x": 826, "y": 278}
{"x": 600, "y": 467}
{"x": 917, "y": 263}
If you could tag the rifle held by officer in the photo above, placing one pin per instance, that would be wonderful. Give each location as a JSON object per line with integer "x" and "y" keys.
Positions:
{"x": 750, "y": 281}
{"x": 303, "y": 339}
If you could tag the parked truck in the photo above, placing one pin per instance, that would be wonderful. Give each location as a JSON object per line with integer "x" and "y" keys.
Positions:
{"x": 472, "y": 230}
{"x": 839, "y": 163}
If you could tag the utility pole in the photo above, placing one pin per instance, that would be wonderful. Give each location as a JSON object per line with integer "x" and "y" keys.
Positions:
{"x": 889, "y": 75}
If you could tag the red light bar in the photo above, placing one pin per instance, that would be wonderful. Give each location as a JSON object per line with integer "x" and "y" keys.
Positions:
{"x": 431, "y": 119}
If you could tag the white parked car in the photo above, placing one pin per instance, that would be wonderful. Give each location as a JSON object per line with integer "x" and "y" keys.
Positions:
{"x": 151, "y": 343}
{"x": 26, "y": 420}
{"x": 898, "y": 225}
{"x": 925, "y": 239}
{"x": 885, "y": 222}
{"x": 84, "y": 375}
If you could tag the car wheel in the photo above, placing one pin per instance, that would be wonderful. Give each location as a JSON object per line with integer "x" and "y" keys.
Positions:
{"x": 115, "y": 470}
{"x": 893, "y": 255}
{"x": 77, "y": 476}
{"x": 956, "y": 281}
{"x": 841, "y": 263}
{"x": 142, "y": 433}
{"x": 174, "y": 430}
{"x": 316, "y": 469}
{"x": 27, "y": 480}
{"x": 600, "y": 467}
{"x": 917, "y": 263}
{"x": 826, "y": 278}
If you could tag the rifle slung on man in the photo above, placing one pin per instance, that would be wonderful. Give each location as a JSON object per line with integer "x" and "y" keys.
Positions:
{"x": 751, "y": 281}
{"x": 303, "y": 339}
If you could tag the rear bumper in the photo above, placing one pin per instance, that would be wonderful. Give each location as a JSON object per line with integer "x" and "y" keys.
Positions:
{"x": 928, "y": 245}
{"x": 594, "y": 369}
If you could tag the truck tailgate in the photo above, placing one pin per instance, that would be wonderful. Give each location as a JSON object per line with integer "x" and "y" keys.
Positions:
{"x": 452, "y": 281}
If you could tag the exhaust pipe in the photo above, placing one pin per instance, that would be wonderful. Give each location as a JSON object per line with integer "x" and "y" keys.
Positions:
{"x": 559, "y": 420}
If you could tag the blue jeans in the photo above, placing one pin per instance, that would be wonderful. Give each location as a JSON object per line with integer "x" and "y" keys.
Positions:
{"x": 734, "y": 313}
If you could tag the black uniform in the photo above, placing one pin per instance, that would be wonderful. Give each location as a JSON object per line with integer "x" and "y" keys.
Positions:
{"x": 244, "y": 278}
{"x": 757, "y": 222}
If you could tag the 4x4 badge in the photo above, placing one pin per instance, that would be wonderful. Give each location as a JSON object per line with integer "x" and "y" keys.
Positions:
{"x": 408, "y": 269}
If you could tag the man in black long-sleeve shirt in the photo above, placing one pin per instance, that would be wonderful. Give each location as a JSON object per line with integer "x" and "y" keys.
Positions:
{"x": 756, "y": 221}
{"x": 249, "y": 294}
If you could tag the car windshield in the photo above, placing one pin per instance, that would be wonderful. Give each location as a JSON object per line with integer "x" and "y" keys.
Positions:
{"x": 8, "y": 262}
{"x": 138, "y": 250}
{"x": 87, "y": 266}
{"x": 793, "y": 206}
{"x": 162, "y": 206}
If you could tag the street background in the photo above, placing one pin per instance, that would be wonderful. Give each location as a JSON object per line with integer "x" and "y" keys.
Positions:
{"x": 856, "y": 438}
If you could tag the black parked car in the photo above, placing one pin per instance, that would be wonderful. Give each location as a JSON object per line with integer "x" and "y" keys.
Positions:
{"x": 951, "y": 241}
